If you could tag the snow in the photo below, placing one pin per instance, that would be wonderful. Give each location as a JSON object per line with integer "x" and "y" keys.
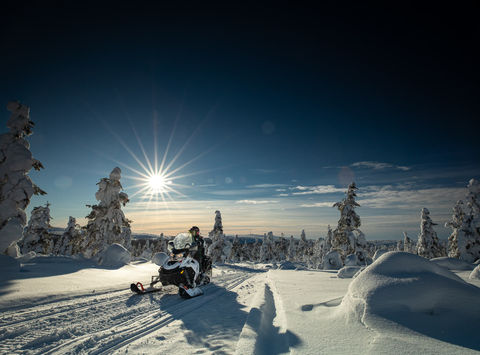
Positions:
{"x": 348, "y": 271}
{"x": 404, "y": 290}
{"x": 115, "y": 256}
{"x": 475, "y": 273}
{"x": 452, "y": 263}
{"x": 52, "y": 304}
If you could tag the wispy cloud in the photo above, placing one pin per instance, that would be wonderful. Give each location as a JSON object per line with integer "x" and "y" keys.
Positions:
{"x": 402, "y": 198}
{"x": 316, "y": 190}
{"x": 265, "y": 186}
{"x": 256, "y": 202}
{"x": 375, "y": 165}
{"x": 318, "y": 204}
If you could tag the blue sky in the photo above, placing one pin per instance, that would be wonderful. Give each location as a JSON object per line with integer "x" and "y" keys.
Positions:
{"x": 271, "y": 111}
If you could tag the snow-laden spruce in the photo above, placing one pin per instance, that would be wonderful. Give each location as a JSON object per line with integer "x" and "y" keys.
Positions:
{"x": 428, "y": 244}
{"x": 302, "y": 248}
{"x": 347, "y": 238}
{"x": 71, "y": 241}
{"x": 36, "y": 237}
{"x": 221, "y": 248}
{"x": 268, "y": 250}
{"x": 106, "y": 222}
{"x": 16, "y": 187}
{"x": 408, "y": 244}
{"x": 462, "y": 242}
{"x": 292, "y": 249}
{"x": 236, "y": 252}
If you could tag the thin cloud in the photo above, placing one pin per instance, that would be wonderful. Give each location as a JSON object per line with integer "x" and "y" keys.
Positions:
{"x": 378, "y": 166}
{"x": 264, "y": 186}
{"x": 255, "y": 202}
{"x": 318, "y": 204}
{"x": 316, "y": 190}
{"x": 391, "y": 197}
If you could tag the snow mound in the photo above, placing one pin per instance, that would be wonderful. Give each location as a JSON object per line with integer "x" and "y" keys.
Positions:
{"x": 159, "y": 258}
{"x": 348, "y": 272}
{"x": 332, "y": 261}
{"x": 475, "y": 274}
{"x": 288, "y": 265}
{"x": 351, "y": 260}
{"x": 115, "y": 256}
{"x": 379, "y": 253}
{"x": 418, "y": 294}
{"x": 452, "y": 263}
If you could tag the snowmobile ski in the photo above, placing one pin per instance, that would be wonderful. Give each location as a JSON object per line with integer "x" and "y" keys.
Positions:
{"x": 141, "y": 290}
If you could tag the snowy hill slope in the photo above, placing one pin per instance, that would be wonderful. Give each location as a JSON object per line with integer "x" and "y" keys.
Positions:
{"x": 60, "y": 305}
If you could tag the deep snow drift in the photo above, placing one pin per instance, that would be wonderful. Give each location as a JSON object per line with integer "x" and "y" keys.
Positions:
{"x": 414, "y": 292}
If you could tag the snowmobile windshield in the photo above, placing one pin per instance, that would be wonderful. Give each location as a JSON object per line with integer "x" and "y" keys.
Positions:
{"x": 183, "y": 241}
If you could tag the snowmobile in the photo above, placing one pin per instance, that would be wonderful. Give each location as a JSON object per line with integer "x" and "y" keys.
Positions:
{"x": 180, "y": 269}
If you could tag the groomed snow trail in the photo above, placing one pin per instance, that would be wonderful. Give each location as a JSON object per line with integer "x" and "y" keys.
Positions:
{"x": 105, "y": 322}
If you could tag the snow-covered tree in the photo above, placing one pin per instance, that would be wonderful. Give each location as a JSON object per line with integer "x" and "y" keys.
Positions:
{"x": 463, "y": 243}
{"x": 106, "y": 222}
{"x": 408, "y": 244}
{"x": 328, "y": 240}
{"x": 292, "y": 249}
{"x": 16, "y": 188}
{"x": 347, "y": 238}
{"x": 236, "y": 252}
{"x": 221, "y": 247}
{"x": 159, "y": 245}
{"x": 302, "y": 247}
{"x": 267, "y": 250}
{"x": 282, "y": 248}
{"x": 37, "y": 237}
{"x": 315, "y": 261}
{"x": 218, "y": 226}
{"x": 70, "y": 242}
{"x": 428, "y": 245}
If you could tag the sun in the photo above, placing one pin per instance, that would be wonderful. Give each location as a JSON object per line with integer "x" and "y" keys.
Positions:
{"x": 157, "y": 183}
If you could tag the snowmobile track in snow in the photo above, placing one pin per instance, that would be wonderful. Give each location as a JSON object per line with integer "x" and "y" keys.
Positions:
{"x": 98, "y": 323}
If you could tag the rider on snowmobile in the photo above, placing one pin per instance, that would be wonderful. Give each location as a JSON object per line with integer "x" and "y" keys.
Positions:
{"x": 199, "y": 243}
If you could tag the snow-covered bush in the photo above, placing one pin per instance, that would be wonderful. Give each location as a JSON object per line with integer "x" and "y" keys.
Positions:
{"x": 428, "y": 244}
{"x": 114, "y": 255}
{"x": 347, "y": 237}
{"x": 410, "y": 290}
{"x": 347, "y": 272}
{"x": 332, "y": 261}
{"x": 36, "y": 237}
{"x": 106, "y": 222}
{"x": 16, "y": 188}
{"x": 351, "y": 260}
